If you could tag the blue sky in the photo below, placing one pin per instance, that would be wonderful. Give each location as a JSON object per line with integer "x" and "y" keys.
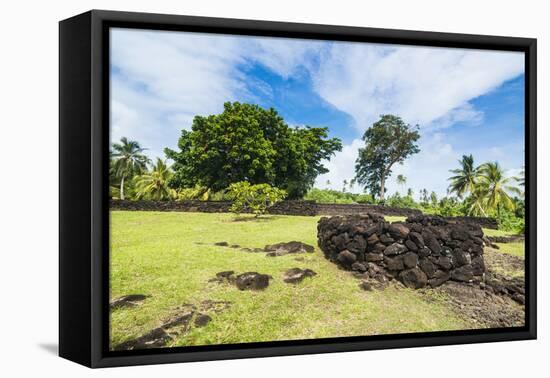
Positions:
{"x": 465, "y": 101}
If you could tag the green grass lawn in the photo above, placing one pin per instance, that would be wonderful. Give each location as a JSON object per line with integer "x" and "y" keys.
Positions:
{"x": 171, "y": 257}
{"x": 491, "y": 232}
{"x": 515, "y": 249}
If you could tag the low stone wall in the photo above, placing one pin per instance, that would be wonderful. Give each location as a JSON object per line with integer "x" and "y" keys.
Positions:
{"x": 484, "y": 222}
{"x": 298, "y": 207}
{"x": 422, "y": 251}
{"x": 362, "y": 208}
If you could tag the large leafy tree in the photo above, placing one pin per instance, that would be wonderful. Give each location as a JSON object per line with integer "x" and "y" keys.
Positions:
{"x": 248, "y": 143}
{"x": 388, "y": 142}
{"x": 154, "y": 184}
{"x": 465, "y": 178}
{"x": 127, "y": 161}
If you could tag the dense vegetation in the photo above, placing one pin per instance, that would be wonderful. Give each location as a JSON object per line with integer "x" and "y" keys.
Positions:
{"x": 248, "y": 143}
{"x": 250, "y": 156}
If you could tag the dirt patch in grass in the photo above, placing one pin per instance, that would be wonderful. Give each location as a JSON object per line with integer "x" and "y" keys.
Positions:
{"x": 504, "y": 264}
{"x": 182, "y": 320}
{"x": 480, "y": 306}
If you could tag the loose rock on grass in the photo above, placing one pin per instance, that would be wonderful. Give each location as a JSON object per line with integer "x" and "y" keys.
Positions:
{"x": 296, "y": 275}
{"x": 184, "y": 318}
{"x": 244, "y": 281}
{"x": 127, "y": 301}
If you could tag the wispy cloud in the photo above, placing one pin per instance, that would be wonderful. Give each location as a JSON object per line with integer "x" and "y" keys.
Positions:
{"x": 420, "y": 84}
{"x": 161, "y": 80}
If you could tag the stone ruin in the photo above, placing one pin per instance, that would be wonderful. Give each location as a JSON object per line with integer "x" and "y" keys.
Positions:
{"x": 419, "y": 252}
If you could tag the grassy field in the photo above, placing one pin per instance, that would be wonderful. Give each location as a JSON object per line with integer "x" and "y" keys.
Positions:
{"x": 491, "y": 232}
{"x": 514, "y": 249}
{"x": 171, "y": 257}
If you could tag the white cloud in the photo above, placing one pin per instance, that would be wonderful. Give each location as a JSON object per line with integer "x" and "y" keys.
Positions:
{"x": 341, "y": 167}
{"x": 163, "y": 79}
{"x": 431, "y": 87}
{"x": 420, "y": 84}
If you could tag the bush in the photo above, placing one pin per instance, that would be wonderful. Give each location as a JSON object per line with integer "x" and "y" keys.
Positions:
{"x": 508, "y": 221}
{"x": 253, "y": 198}
{"x": 397, "y": 201}
{"x": 335, "y": 196}
{"x": 365, "y": 198}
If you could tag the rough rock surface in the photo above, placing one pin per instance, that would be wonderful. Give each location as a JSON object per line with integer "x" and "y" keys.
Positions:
{"x": 422, "y": 251}
{"x": 184, "y": 318}
{"x": 280, "y": 249}
{"x": 128, "y": 301}
{"x": 296, "y": 275}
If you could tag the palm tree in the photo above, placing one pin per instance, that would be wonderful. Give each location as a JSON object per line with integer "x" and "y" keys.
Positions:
{"x": 410, "y": 192}
{"x": 128, "y": 161}
{"x": 477, "y": 201}
{"x": 497, "y": 187}
{"x": 464, "y": 179}
{"x": 154, "y": 184}
{"x": 401, "y": 180}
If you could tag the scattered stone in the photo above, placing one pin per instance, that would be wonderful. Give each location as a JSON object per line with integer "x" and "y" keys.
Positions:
{"x": 154, "y": 339}
{"x": 296, "y": 275}
{"x": 182, "y": 321}
{"x": 252, "y": 281}
{"x": 128, "y": 301}
{"x": 280, "y": 249}
{"x": 222, "y": 244}
{"x": 201, "y": 320}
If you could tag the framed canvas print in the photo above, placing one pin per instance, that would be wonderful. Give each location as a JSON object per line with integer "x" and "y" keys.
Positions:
{"x": 234, "y": 188}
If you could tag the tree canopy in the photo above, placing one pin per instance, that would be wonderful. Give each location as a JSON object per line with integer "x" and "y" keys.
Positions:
{"x": 248, "y": 143}
{"x": 389, "y": 141}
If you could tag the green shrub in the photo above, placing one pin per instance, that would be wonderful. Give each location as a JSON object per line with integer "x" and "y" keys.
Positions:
{"x": 396, "y": 200}
{"x": 365, "y": 198}
{"x": 327, "y": 196}
{"x": 508, "y": 221}
{"x": 253, "y": 198}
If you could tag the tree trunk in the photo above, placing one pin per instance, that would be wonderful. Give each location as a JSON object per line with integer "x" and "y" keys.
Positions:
{"x": 382, "y": 187}
{"x": 122, "y": 188}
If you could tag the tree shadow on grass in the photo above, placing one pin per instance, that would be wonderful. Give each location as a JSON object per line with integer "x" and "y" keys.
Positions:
{"x": 252, "y": 218}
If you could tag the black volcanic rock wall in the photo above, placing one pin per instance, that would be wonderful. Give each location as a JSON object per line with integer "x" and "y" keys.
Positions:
{"x": 288, "y": 207}
{"x": 422, "y": 251}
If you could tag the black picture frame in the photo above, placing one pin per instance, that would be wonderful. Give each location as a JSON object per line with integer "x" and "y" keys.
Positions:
{"x": 83, "y": 195}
